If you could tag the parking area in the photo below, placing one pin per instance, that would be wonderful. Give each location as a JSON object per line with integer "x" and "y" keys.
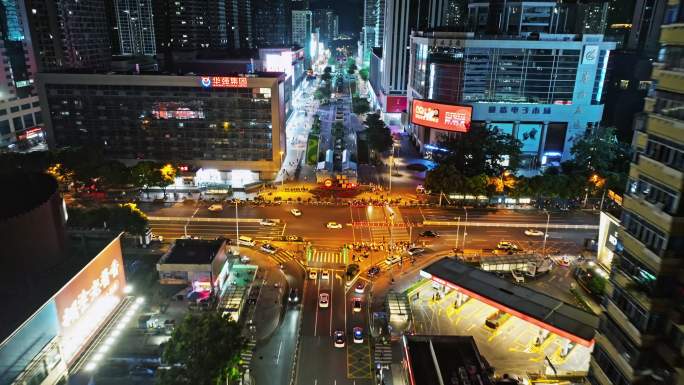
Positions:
{"x": 512, "y": 347}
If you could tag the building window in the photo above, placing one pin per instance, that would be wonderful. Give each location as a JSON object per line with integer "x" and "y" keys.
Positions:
{"x": 644, "y": 85}
{"x": 624, "y": 84}
{"x": 655, "y": 193}
{"x": 664, "y": 151}
{"x": 4, "y": 127}
{"x": 642, "y": 320}
{"x": 609, "y": 368}
{"x": 18, "y": 123}
{"x": 646, "y": 233}
{"x": 14, "y": 109}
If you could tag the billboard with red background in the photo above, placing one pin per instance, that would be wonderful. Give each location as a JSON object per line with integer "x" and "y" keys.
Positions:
{"x": 449, "y": 117}
{"x": 396, "y": 103}
{"x": 88, "y": 299}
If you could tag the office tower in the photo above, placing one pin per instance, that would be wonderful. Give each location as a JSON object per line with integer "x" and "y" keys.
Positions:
{"x": 402, "y": 17}
{"x": 300, "y": 5}
{"x": 557, "y": 99}
{"x": 301, "y": 27}
{"x": 456, "y": 13}
{"x": 327, "y": 22}
{"x": 135, "y": 26}
{"x": 184, "y": 24}
{"x": 19, "y": 107}
{"x": 641, "y": 336}
{"x": 69, "y": 34}
{"x": 368, "y": 30}
{"x": 379, "y": 22}
{"x": 272, "y": 23}
{"x": 239, "y": 23}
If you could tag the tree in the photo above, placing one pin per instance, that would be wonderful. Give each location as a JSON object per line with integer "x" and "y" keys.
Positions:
{"x": 204, "y": 349}
{"x": 378, "y": 134}
{"x": 480, "y": 151}
{"x": 326, "y": 76}
{"x": 444, "y": 178}
{"x": 363, "y": 73}
{"x": 113, "y": 173}
{"x": 322, "y": 93}
{"x": 129, "y": 218}
{"x": 327, "y": 70}
{"x": 167, "y": 176}
{"x": 597, "y": 151}
{"x": 360, "y": 105}
{"x": 145, "y": 174}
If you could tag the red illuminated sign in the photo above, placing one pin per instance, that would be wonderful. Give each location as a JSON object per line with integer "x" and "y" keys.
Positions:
{"x": 442, "y": 116}
{"x": 396, "y": 104}
{"x": 223, "y": 82}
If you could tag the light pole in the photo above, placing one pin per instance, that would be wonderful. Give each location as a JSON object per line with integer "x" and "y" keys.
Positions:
{"x": 465, "y": 227}
{"x": 546, "y": 231}
{"x": 458, "y": 230}
{"x": 237, "y": 228}
{"x": 282, "y": 176}
{"x": 390, "y": 170}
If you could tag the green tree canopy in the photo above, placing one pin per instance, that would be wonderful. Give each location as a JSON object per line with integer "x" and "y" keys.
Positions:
{"x": 204, "y": 349}
{"x": 360, "y": 105}
{"x": 378, "y": 134}
{"x": 480, "y": 151}
{"x": 363, "y": 73}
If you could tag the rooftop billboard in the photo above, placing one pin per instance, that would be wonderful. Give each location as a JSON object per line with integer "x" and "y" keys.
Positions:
{"x": 447, "y": 117}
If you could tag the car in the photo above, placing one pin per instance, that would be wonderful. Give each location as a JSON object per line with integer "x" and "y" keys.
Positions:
{"x": 358, "y": 335}
{"x": 325, "y": 274}
{"x": 296, "y": 212}
{"x": 373, "y": 271}
{"x": 244, "y": 259}
{"x": 360, "y": 287}
{"x": 215, "y": 208}
{"x": 505, "y": 245}
{"x": 333, "y": 225}
{"x": 356, "y": 305}
{"x": 313, "y": 274}
{"x": 429, "y": 234}
{"x": 415, "y": 251}
{"x": 156, "y": 238}
{"x": 294, "y": 295}
{"x": 339, "y": 338}
{"x": 323, "y": 300}
{"x": 268, "y": 248}
{"x": 392, "y": 259}
{"x": 267, "y": 222}
{"x": 534, "y": 233}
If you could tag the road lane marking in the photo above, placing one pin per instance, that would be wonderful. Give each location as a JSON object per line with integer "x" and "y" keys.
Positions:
{"x": 332, "y": 287}
{"x": 318, "y": 283}
{"x": 280, "y": 346}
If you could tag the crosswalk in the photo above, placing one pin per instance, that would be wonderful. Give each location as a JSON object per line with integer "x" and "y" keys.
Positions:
{"x": 328, "y": 256}
{"x": 282, "y": 256}
{"x": 247, "y": 354}
{"x": 382, "y": 354}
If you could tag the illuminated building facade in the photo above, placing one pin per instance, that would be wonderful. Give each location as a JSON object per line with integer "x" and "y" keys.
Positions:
{"x": 640, "y": 339}
{"x": 545, "y": 92}
{"x": 229, "y": 124}
{"x": 136, "y": 27}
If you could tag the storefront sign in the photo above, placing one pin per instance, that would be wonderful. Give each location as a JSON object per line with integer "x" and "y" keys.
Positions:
{"x": 223, "y": 82}
{"x": 591, "y": 54}
{"x": 519, "y": 110}
{"x": 442, "y": 116}
{"x": 396, "y": 104}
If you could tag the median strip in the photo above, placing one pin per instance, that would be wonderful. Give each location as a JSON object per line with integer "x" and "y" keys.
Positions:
{"x": 201, "y": 219}
{"x": 508, "y": 224}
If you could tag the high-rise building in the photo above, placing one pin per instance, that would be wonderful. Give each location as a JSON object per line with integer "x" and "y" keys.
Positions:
{"x": 301, "y": 27}
{"x": 379, "y": 22}
{"x": 327, "y": 22}
{"x": 402, "y": 17}
{"x": 641, "y": 335}
{"x": 19, "y": 107}
{"x": 272, "y": 23}
{"x": 69, "y": 34}
{"x": 545, "y": 92}
{"x": 239, "y": 23}
{"x": 456, "y": 13}
{"x": 136, "y": 27}
{"x": 368, "y": 31}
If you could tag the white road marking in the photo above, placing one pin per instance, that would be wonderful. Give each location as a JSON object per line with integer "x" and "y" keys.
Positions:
{"x": 280, "y": 346}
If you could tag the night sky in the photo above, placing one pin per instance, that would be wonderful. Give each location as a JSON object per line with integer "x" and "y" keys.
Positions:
{"x": 350, "y": 11}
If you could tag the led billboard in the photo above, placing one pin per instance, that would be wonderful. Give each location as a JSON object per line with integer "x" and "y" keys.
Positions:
{"x": 447, "y": 117}
{"x": 88, "y": 299}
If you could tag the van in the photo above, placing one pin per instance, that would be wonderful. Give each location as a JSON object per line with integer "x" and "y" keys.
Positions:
{"x": 246, "y": 241}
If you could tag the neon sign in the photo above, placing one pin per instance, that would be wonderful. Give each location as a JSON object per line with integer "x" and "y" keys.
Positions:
{"x": 223, "y": 82}
{"x": 106, "y": 283}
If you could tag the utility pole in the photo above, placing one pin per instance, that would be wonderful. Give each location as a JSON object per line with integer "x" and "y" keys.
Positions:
{"x": 465, "y": 227}
{"x": 546, "y": 232}
{"x": 237, "y": 228}
{"x": 458, "y": 229}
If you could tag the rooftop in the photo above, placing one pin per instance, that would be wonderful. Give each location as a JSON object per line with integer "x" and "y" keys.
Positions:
{"x": 193, "y": 251}
{"x": 440, "y": 359}
{"x": 535, "y": 307}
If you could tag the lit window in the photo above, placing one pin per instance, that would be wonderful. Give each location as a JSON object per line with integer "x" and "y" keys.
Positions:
{"x": 624, "y": 84}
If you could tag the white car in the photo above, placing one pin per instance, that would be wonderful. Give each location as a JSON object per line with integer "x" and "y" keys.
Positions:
{"x": 360, "y": 287}
{"x": 415, "y": 251}
{"x": 215, "y": 208}
{"x": 156, "y": 238}
{"x": 296, "y": 212}
{"x": 339, "y": 339}
{"x": 267, "y": 222}
{"x": 391, "y": 260}
{"x": 268, "y": 248}
{"x": 325, "y": 274}
{"x": 534, "y": 233}
{"x": 313, "y": 274}
{"x": 358, "y": 335}
{"x": 333, "y": 225}
{"x": 323, "y": 300}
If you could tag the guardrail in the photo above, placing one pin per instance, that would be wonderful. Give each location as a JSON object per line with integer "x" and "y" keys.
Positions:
{"x": 205, "y": 219}
{"x": 509, "y": 224}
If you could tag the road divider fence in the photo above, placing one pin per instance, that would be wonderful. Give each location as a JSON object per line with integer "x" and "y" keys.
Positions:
{"x": 509, "y": 224}
{"x": 205, "y": 219}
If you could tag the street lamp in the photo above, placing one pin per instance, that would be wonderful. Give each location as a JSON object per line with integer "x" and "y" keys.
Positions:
{"x": 546, "y": 232}
{"x": 465, "y": 227}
